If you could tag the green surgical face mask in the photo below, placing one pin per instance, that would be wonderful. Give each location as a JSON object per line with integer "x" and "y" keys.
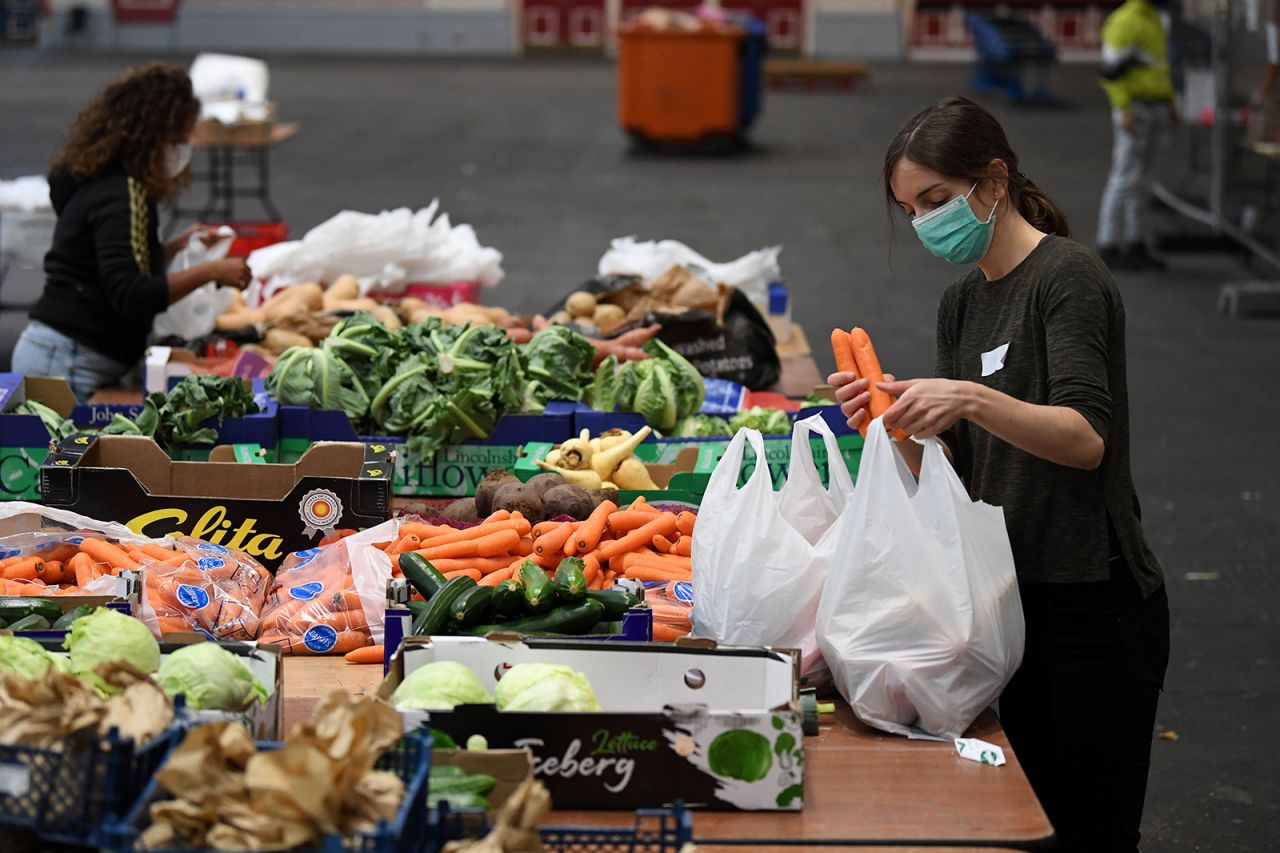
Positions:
{"x": 953, "y": 233}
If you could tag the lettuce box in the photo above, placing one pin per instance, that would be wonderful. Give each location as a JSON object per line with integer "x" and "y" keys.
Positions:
{"x": 455, "y": 471}
{"x": 25, "y": 439}
{"x": 719, "y": 728}
{"x": 266, "y": 510}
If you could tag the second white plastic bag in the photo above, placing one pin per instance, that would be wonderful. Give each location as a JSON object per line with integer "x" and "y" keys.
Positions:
{"x": 760, "y": 557}
{"x": 921, "y": 622}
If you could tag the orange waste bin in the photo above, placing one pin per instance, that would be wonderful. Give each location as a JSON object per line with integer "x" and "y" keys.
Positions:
{"x": 677, "y": 85}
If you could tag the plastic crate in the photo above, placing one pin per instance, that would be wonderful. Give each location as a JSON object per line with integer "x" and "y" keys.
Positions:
{"x": 74, "y": 794}
{"x": 410, "y": 760}
{"x": 655, "y": 831}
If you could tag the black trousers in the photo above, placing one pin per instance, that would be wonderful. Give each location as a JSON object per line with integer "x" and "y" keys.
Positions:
{"x": 1080, "y": 711}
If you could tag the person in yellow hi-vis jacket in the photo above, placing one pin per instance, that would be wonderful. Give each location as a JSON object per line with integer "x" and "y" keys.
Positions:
{"x": 1135, "y": 75}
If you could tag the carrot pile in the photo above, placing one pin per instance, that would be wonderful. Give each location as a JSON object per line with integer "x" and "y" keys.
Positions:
{"x": 672, "y": 605}
{"x": 640, "y": 542}
{"x": 313, "y": 607}
{"x": 855, "y": 354}
{"x": 196, "y": 585}
{"x": 64, "y": 567}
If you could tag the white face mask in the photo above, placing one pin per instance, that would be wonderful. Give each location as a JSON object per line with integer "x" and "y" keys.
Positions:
{"x": 177, "y": 158}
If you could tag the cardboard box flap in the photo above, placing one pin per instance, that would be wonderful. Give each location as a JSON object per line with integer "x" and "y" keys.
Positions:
{"x": 633, "y": 677}
{"x": 53, "y": 391}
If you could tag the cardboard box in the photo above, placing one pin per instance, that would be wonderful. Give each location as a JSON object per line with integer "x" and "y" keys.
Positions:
{"x": 455, "y": 471}
{"x": 266, "y": 510}
{"x": 672, "y": 712}
{"x": 24, "y": 439}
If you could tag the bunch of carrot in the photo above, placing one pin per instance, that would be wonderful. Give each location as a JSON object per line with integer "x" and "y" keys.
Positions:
{"x": 855, "y": 354}
{"x": 69, "y": 565}
{"x": 315, "y": 591}
{"x": 672, "y": 613}
{"x": 639, "y": 542}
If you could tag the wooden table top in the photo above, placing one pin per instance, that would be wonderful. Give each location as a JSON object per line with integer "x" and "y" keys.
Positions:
{"x": 861, "y": 784}
{"x": 252, "y": 135}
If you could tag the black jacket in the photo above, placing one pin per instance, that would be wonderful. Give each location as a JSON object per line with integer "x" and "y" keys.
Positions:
{"x": 105, "y": 274}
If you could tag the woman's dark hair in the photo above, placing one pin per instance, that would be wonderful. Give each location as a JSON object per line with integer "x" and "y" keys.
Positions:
{"x": 130, "y": 123}
{"x": 957, "y": 138}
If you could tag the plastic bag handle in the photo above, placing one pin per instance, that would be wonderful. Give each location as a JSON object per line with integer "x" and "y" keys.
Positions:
{"x": 731, "y": 461}
{"x": 802, "y": 452}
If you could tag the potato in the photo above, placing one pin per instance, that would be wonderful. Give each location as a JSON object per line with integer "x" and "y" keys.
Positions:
{"x": 515, "y": 496}
{"x": 489, "y": 485}
{"x": 387, "y": 317}
{"x": 561, "y": 318}
{"x": 580, "y": 304}
{"x": 609, "y": 317}
{"x": 422, "y": 315}
{"x": 462, "y": 510}
{"x": 567, "y": 500}
{"x": 543, "y": 483}
{"x": 279, "y": 340}
{"x": 343, "y": 287}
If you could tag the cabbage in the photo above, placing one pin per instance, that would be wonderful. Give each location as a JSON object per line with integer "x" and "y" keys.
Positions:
{"x": 108, "y": 635}
{"x": 545, "y": 687}
{"x": 26, "y": 658}
{"x": 702, "y": 426}
{"x": 439, "y": 686}
{"x": 767, "y": 421}
{"x": 209, "y": 676}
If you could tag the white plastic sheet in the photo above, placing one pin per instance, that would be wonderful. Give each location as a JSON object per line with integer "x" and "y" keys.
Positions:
{"x": 751, "y": 273}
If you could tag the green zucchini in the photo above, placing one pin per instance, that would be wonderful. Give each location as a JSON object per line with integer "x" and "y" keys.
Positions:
{"x": 569, "y": 581}
{"x": 616, "y": 601}
{"x": 34, "y": 622}
{"x": 570, "y": 619}
{"x": 416, "y": 607}
{"x": 439, "y": 771}
{"x": 13, "y": 608}
{"x": 440, "y": 608}
{"x": 470, "y": 607}
{"x": 423, "y": 576}
{"x": 508, "y": 598}
{"x": 539, "y": 593}
{"x": 65, "y": 620}
{"x": 473, "y": 783}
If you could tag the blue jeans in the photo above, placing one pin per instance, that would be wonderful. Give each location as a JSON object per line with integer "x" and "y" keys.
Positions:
{"x": 1126, "y": 199}
{"x": 42, "y": 351}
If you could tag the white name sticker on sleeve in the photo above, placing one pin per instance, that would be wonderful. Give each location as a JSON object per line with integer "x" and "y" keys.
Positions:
{"x": 994, "y": 360}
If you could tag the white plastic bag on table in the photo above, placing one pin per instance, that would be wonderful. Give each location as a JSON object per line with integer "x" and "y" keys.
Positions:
{"x": 760, "y": 557}
{"x": 331, "y": 599}
{"x": 921, "y": 622}
{"x": 30, "y": 530}
{"x": 195, "y": 315}
{"x": 752, "y": 273}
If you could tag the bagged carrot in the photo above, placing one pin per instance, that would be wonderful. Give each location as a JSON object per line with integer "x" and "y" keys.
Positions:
{"x": 206, "y": 587}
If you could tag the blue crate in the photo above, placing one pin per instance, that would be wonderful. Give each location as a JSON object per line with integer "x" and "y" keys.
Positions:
{"x": 655, "y": 831}
{"x": 75, "y": 793}
{"x": 410, "y": 760}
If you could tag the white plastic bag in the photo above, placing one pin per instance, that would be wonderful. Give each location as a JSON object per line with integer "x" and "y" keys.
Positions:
{"x": 921, "y": 622}
{"x": 751, "y": 273}
{"x": 28, "y": 529}
{"x": 195, "y": 315}
{"x": 760, "y": 557}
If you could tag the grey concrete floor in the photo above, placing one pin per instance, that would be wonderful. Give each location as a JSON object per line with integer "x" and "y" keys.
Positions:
{"x": 529, "y": 153}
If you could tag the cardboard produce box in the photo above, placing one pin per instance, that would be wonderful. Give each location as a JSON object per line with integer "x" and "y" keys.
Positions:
{"x": 455, "y": 471}
{"x": 24, "y": 439}
{"x": 718, "y": 728}
{"x": 266, "y": 510}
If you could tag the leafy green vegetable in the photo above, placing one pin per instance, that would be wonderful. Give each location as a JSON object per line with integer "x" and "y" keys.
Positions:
{"x": 557, "y": 363}
{"x": 179, "y": 418}
{"x": 209, "y": 676}
{"x": 544, "y": 687}
{"x": 664, "y": 388}
{"x": 318, "y": 379}
{"x": 740, "y": 754}
{"x": 602, "y": 394}
{"x": 366, "y": 346}
{"x": 812, "y": 399}
{"x": 58, "y": 426}
{"x": 440, "y": 685}
{"x": 108, "y": 635}
{"x": 27, "y": 658}
{"x": 767, "y": 421}
{"x": 700, "y": 426}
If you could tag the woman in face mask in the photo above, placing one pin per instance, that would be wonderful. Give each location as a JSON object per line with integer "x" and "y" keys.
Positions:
{"x": 1030, "y": 401}
{"x": 105, "y": 275}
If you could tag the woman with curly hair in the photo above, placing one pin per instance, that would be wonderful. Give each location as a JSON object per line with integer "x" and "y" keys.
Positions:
{"x": 105, "y": 278}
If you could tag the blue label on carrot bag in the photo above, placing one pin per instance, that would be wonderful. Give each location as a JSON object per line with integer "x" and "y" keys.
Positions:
{"x": 192, "y": 596}
{"x": 208, "y": 563}
{"x": 306, "y": 591}
{"x": 320, "y": 638}
{"x": 682, "y": 590}
{"x": 305, "y": 557}
{"x": 209, "y": 546}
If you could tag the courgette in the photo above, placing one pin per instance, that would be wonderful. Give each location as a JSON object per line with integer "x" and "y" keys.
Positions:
{"x": 64, "y": 622}
{"x": 470, "y": 607}
{"x": 416, "y": 607}
{"x": 539, "y": 593}
{"x": 13, "y": 608}
{"x": 473, "y": 783}
{"x": 570, "y": 619}
{"x": 34, "y": 622}
{"x": 439, "y": 771}
{"x": 616, "y": 602}
{"x": 440, "y": 608}
{"x": 569, "y": 581}
{"x": 423, "y": 576}
{"x": 508, "y": 598}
